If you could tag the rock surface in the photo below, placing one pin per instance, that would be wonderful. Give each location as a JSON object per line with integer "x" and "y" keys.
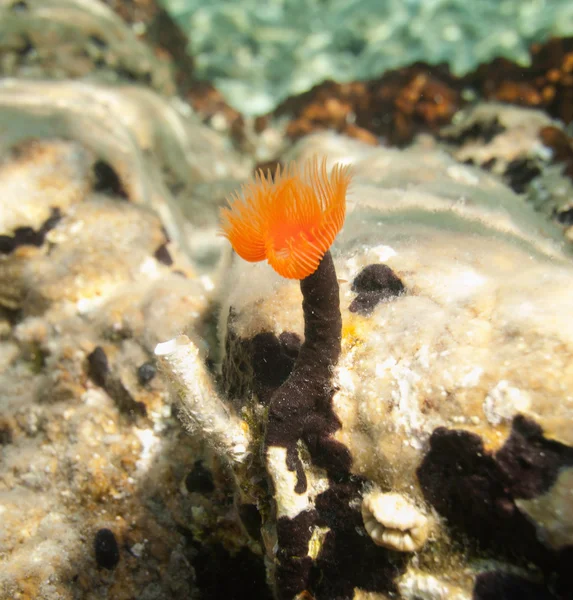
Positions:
{"x": 97, "y": 497}
{"x": 530, "y": 151}
{"x": 61, "y": 39}
{"x": 455, "y": 388}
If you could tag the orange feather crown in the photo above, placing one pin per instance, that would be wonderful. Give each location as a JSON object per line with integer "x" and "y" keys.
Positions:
{"x": 290, "y": 219}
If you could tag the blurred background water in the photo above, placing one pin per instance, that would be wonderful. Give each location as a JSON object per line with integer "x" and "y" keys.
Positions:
{"x": 259, "y": 52}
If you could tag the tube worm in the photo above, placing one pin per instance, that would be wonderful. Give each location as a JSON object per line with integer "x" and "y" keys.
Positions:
{"x": 291, "y": 220}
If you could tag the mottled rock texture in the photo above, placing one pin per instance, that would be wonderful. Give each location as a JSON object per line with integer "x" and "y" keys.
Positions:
{"x": 85, "y": 437}
{"x": 73, "y": 39}
{"x": 95, "y": 270}
{"x": 530, "y": 151}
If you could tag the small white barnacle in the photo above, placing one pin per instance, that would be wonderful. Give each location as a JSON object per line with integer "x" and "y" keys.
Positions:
{"x": 392, "y": 521}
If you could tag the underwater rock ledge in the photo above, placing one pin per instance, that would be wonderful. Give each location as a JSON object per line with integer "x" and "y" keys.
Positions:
{"x": 432, "y": 456}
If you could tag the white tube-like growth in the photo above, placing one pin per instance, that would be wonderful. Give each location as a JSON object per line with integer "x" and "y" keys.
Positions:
{"x": 205, "y": 413}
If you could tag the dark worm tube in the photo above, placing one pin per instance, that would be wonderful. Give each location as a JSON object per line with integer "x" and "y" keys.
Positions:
{"x": 301, "y": 409}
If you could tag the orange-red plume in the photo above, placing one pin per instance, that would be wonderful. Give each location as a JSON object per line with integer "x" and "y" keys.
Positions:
{"x": 291, "y": 219}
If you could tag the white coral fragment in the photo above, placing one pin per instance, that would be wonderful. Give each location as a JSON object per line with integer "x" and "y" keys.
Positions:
{"x": 393, "y": 522}
{"x": 205, "y": 412}
{"x": 289, "y": 502}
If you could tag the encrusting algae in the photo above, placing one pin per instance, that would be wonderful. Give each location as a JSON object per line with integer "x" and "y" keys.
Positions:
{"x": 290, "y": 219}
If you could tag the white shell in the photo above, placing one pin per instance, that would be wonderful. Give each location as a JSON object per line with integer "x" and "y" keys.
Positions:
{"x": 392, "y": 521}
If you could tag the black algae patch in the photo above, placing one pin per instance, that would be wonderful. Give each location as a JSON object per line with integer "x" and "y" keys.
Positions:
{"x": 199, "y": 479}
{"x": 564, "y": 586}
{"x": 146, "y": 372}
{"x": 163, "y": 256}
{"x": 496, "y": 585}
{"x": 487, "y": 165}
{"x": 273, "y": 359}
{"x": 100, "y": 373}
{"x": 474, "y": 490}
{"x": 373, "y": 284}
{"x": 251, "y": 520}
{"x": 98, "y": 367}
{"x": 221, "y": 575}
{"x": 293, "y": 536}
{"x": 260, "y": 364}
{"x": 348, "y": 557}
{"x": 520, "y": 173}
{"x": 530, "y": 462}
{"x": 483, "y": 131}
{"x": 101, "y": 44}
{"x": 365, "y": 303}
{"x": 107, "y": 181}
{"x": 6, "y": 432}
{"x": 465, "y": 484}
{"x": 106, "y": 549}
{"x": 302, "y": 410}
{"x": 26, "y": 236}
{"x": 237, "y": 368}
{"x": 19, "y": 6}
{"x": 6, "y": 244}
{"x": 378, "y": 278}
{"x": 565, "y": 217}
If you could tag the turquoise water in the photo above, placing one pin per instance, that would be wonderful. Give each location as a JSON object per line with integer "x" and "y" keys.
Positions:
{"x": 258, "y": 52}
